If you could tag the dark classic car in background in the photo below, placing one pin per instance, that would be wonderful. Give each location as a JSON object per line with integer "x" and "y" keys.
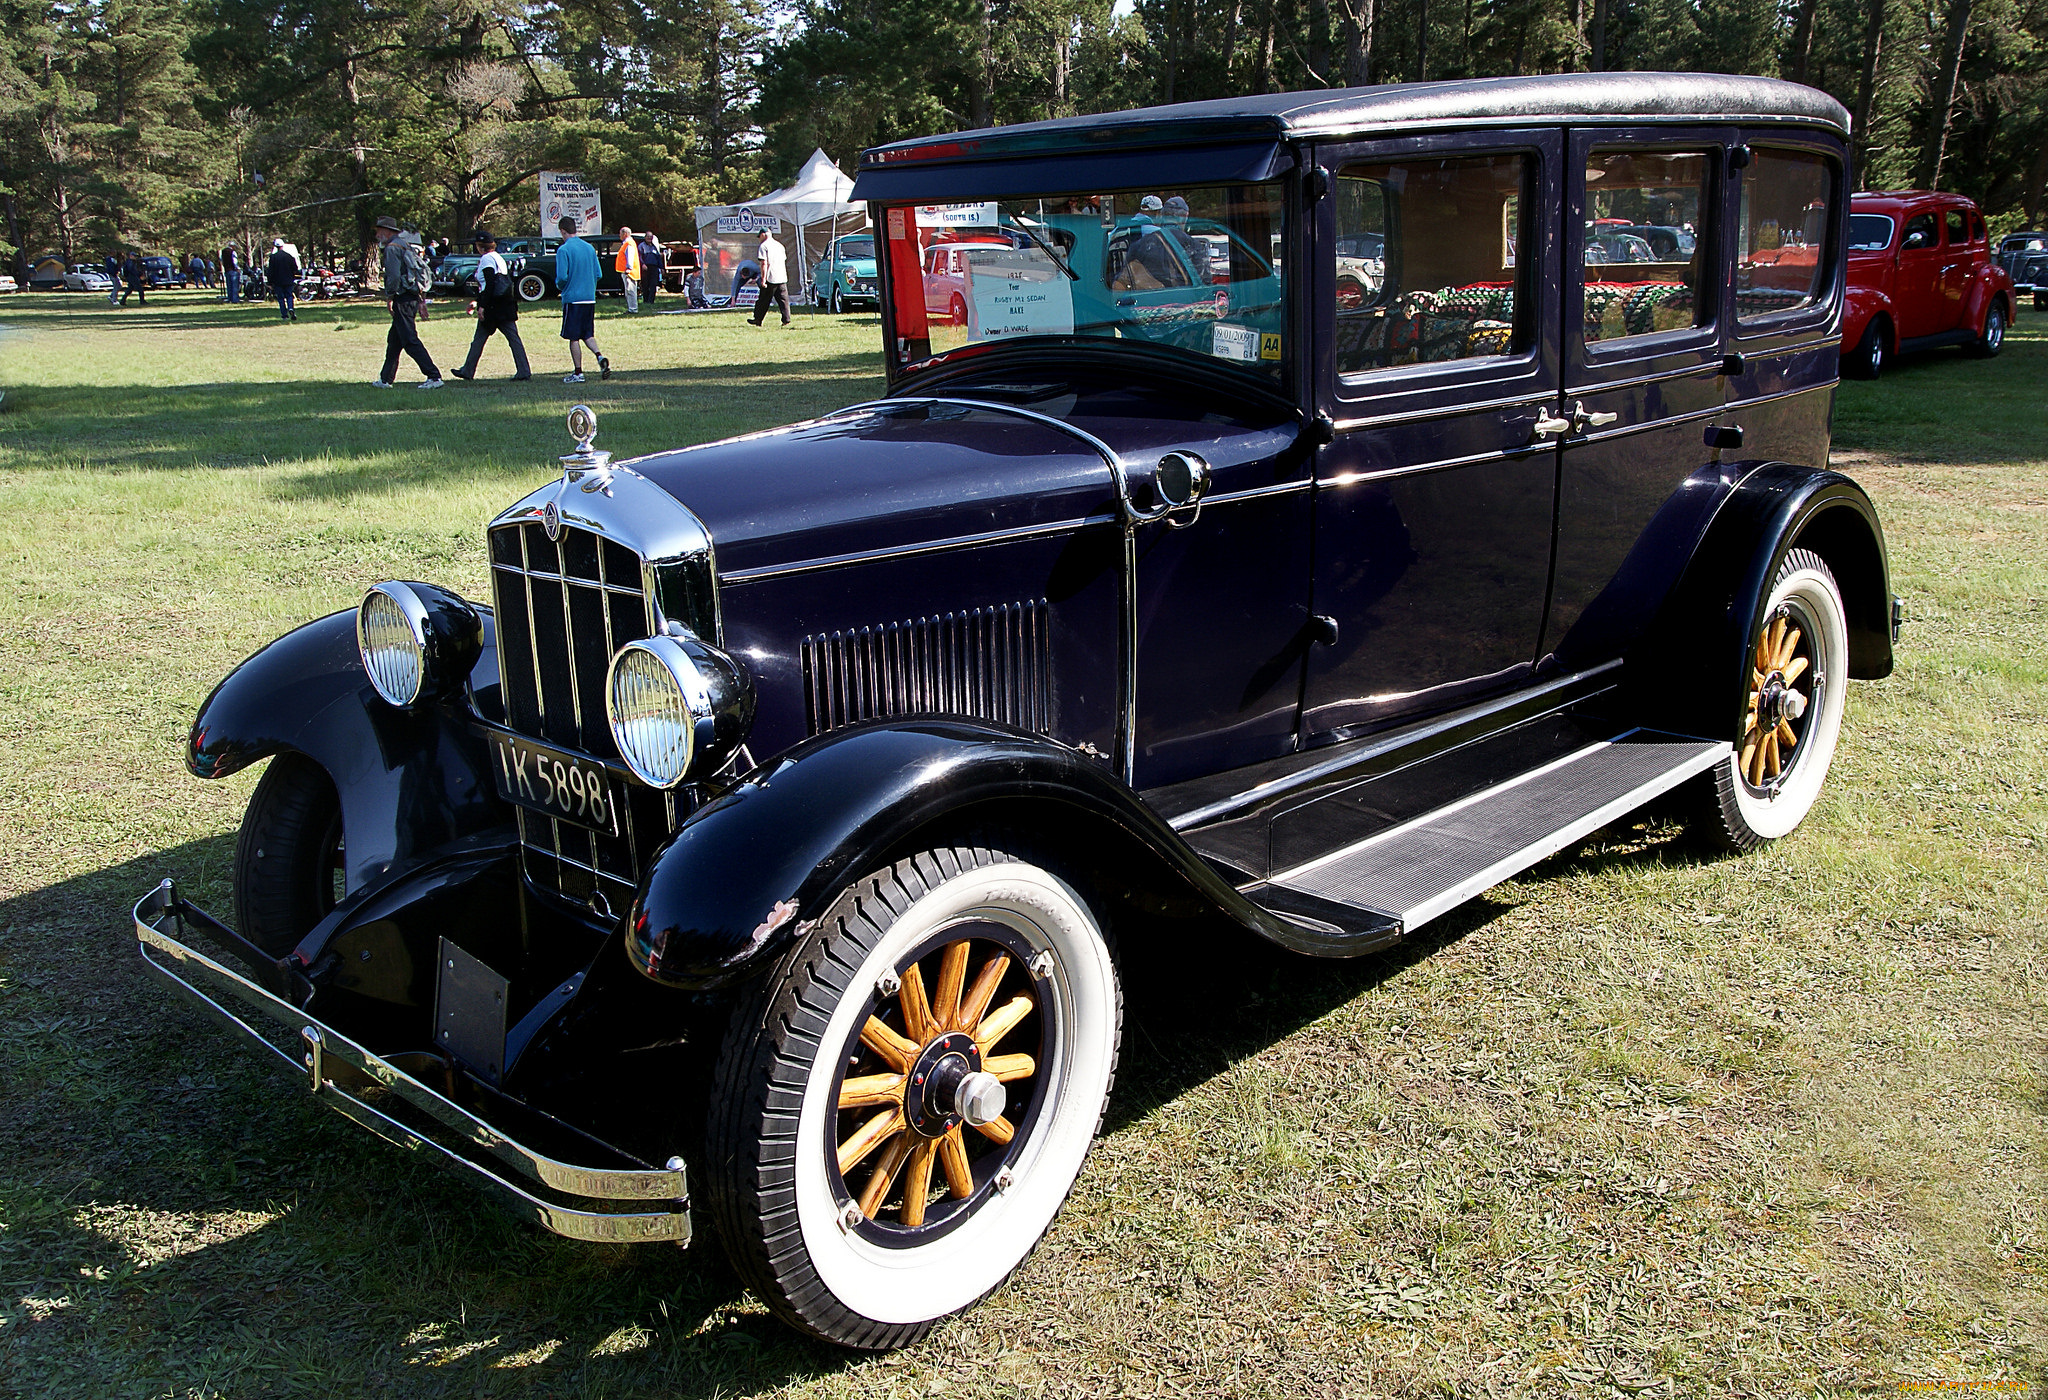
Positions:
{"x": 2024, "y": 256}
{"x": 1921, "y": 275}
{"x": 752, "y": 855}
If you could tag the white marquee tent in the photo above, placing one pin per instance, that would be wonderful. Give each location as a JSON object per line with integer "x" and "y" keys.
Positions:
{"x": 812, "y": 211}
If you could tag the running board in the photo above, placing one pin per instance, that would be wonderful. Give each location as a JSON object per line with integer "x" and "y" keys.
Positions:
{"x": 1411, "y": 873}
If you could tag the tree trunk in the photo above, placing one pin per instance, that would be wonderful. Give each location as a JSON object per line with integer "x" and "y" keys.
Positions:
{"x": 1599, "y": 54}
{"x": 1358, "y": 19}
{"x": 1173, "y": 8}
{"x": 1421, "y": 41}
{"x": 21, "y": 254}
{"x": 1230, "y": 38}
{"x": 1866, "y": 84}
{"x": 1265, "y": 74}
{"x": 1936, "y": 148}
{"x": 2030, "y": 198}
{"x": 1062, "y": 58}
{"x": 358, "y": 154}
{"x": 1319, "y": 41}
{"x": 1801, "y": 58}
{"x": 985, "y": 76}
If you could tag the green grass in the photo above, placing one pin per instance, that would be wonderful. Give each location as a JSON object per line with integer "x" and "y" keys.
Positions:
{"x": 1638, "y": 1123}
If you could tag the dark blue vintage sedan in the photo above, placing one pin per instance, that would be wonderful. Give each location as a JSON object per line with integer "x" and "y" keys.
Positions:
{"x": 1299, "y": 519}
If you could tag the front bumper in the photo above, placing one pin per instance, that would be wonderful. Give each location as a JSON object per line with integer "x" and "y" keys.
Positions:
{"x": 581, "y": 1202}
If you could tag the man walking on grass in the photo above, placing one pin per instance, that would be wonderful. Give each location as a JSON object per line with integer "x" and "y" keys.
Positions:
{"x": 282, "y": 271}
{"x": 774, "y": 279}
{"x": 627, "y": 264}
{"x": 133, "y": 280}
{"x": 406, "y": 280}
{"x": 576, "y": 277}
{"x": 497, "y": 309}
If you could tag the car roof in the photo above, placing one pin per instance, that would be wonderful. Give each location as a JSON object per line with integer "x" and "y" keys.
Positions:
{"x": 1894, "y": 201}
{"x": 1593, "y": 98}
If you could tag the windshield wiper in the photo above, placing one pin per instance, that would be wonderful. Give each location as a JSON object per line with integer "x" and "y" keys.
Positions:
{"x": 1057, "y": 261}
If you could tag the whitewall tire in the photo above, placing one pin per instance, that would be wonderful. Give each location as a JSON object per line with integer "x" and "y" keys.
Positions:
{"x": 902, "y": 1104}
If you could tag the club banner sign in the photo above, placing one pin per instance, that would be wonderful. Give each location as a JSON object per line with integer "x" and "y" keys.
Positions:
{"x": 747, "y": 221}
{"x": 565, "y": 195}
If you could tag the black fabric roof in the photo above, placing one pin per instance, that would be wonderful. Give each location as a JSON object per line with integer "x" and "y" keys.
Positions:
{"x": 1549, "y": 99}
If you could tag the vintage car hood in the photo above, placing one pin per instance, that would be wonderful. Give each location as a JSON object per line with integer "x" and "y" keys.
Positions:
{"x": 906, "y": 473}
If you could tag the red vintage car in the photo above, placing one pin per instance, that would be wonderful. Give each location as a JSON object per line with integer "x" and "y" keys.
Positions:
{"x": 1921, "y": 274}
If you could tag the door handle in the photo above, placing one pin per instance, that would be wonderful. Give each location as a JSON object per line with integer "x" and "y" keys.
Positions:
{"x": 1547, "y": 426}
{"x": 1582, "y": 420}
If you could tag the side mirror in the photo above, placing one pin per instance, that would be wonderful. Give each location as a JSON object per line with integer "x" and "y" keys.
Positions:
{"x": 1182, "y": 480}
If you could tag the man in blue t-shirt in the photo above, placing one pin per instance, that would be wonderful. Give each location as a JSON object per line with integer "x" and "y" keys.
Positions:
{"x": 576, "y": 279}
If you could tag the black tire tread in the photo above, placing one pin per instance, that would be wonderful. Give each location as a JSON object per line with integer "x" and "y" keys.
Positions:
{"x": 771, "y": 1039}
{"x": 287, "y": 822}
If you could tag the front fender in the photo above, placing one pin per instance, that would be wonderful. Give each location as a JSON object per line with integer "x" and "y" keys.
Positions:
{"x": 1690, "y": 672}
{"x": 730, "y": 887}
{"x": 1858, "y": 306}
{"x": 409, "y": 780}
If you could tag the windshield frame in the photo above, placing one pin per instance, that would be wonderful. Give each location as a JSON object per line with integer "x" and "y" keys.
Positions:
{"x": 1271, "y": 204}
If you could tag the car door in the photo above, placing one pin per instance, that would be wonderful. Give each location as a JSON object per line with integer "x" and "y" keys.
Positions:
{"x": 1957, "y": 259}
{"x": 1434, "y": 497}
{"x": 1642, "y": 382}
{"x": 1916, "y": 288}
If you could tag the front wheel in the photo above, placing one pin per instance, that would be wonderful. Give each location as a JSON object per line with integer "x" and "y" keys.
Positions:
{"x": 838, "y": 302}
{"x": 289, "y": 867}
{"x": 1797, "y": 674}
{"x": 958, "y": 311}
{"x": 1866, "y": 361}
{"x": 902, "y": 1103}
{"x": 532, "y": 287}
{"x": 1992, "y": 338}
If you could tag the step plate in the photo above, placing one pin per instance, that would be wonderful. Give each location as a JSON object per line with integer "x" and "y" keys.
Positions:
{"x": 1437, "y": 862}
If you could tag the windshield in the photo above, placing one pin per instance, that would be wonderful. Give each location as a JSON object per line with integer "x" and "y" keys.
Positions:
{"x": 856, "y": 249}
{"x": 1869, "y": 233}
{"x": 1196, "y": 268}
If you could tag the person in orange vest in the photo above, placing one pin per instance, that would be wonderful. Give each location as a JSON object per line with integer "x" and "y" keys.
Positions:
{"x": 628, "y": 264}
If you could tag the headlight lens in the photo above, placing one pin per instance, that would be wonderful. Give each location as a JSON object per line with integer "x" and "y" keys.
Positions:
{"x": 677, "y": 706}
{"x": 417, "y": 642}
{"x": 392, "y": 637}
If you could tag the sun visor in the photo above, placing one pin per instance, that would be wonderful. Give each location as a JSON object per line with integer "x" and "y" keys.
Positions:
{"x": 952, "y": 181}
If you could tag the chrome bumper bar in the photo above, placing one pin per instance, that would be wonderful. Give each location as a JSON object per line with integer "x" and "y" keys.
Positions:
{"x": 346, "y": 1077}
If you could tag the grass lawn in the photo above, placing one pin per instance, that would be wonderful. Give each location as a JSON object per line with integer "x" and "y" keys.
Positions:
{"x": 1637, "y": 1123}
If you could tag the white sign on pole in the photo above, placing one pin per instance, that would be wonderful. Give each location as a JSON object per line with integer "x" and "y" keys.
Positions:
{"x": 564, "y": 195}
{"x": 958, "y": 215}
{"x": 747, "y": 221}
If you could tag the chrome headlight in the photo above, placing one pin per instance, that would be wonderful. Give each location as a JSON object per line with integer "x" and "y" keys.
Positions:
{"x": 417, "y": 641}
{"x": 677, "y": 707}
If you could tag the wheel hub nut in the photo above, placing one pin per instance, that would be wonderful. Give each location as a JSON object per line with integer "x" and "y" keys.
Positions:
{"x": 982, "y": 1099}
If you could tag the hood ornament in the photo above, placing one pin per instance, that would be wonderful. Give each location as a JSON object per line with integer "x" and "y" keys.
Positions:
{"x": 587, "y": 467}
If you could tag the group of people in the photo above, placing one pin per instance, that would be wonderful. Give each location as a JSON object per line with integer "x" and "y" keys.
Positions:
{"x": 641, "y": 262}
{"x": 409, "y": 276}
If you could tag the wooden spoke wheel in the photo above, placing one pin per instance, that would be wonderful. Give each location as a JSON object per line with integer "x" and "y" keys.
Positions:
{"x": 937, "y": 1078}
{"x": 1793, "y": 674}
{"x": 903, "y": 1101}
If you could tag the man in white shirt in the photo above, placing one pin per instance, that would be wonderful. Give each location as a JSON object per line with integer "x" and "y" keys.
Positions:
{"x": 497, "y": 309}
{"x": 774, "y": 278}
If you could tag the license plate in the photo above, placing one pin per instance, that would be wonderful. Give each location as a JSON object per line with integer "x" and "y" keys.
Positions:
{"x": 554, "y": 782}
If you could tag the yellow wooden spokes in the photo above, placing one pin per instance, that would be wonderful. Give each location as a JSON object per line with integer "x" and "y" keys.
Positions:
{"x": 899, "y": 1153}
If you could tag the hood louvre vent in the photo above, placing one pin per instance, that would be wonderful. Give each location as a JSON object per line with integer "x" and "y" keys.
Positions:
{"x": 992, "y": 663}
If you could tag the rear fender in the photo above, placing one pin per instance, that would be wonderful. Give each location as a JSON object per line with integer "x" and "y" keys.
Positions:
{"x": 1688, "y": 674}
{"x": 739, "y": 877}
{"x": 410, "y": 781}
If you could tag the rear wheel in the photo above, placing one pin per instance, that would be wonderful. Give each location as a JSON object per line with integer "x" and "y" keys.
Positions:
{"x": 289, "y": 866}
{"x": 902, "y": 1104}
{"x": 1866, "y": 361}
{"x": 1797, "y": 674}
{"x": 532, "y": 287}
{"x": 1992, "y": 339}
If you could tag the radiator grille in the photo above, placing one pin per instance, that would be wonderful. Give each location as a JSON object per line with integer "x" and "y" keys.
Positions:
{"x": 991, "y": 663}
{"x": 563, "y": 607}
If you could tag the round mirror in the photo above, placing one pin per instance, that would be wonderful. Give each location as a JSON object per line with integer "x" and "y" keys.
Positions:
{"x": 1182, "y": 479}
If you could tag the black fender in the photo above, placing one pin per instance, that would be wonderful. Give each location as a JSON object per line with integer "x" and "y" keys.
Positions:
{"x": 735, "y": 882}
{"x": 410, "y": 781}
{"x": 1688, "y": 673}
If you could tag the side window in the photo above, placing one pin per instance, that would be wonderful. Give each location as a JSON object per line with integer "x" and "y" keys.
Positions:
{"x": 1958, "y": 229}
{"x": 1781, "y": 263}
{"x": 1920, "y": 233}
{"x": 1644, "y": 265}
{"x": 1426, "y": 261}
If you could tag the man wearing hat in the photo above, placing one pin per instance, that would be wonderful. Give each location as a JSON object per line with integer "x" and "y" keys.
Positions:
{"x": 407, "y": 279}
{"x": 497, "y": 309}
{"x": 774, "y": 278}
{"x": 282, "y": 272}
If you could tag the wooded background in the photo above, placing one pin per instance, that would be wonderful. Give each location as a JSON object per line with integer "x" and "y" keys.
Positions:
{"x": 180, "y": 125}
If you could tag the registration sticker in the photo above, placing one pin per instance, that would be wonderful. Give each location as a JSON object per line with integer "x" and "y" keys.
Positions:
{"x": 1234, "y": 342}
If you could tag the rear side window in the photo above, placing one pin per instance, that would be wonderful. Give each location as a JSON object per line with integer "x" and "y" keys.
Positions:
{"x": 1780, "y": 262}
{"x": 1642, "y": 261}
{"x": 1427, "y": 256}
